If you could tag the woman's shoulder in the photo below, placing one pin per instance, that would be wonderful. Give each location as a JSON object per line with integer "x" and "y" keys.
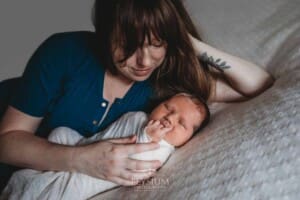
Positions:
{"x": 70, "y": 49}
{"x": 73, "y": 35}
{"x": 71, "y": 38}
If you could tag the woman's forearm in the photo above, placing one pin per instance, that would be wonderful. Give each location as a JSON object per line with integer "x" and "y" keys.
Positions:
{"x": 26, "y": 150}
{"x": 245, "y": 77}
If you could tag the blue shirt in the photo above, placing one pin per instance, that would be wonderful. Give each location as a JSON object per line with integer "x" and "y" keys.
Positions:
{"x": 63, "y": 82}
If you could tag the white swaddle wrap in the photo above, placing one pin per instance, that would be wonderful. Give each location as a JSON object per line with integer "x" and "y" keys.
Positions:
{"x": 31, "y": 184}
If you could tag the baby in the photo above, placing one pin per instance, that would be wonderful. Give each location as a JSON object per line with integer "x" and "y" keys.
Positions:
{"x": 171, "y": 124}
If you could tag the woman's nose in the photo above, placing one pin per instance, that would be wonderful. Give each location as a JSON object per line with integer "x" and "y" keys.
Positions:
{"x": 143, "y": 57}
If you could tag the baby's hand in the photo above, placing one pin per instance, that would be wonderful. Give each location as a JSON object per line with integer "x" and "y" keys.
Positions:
{"x": 156, "y": 130}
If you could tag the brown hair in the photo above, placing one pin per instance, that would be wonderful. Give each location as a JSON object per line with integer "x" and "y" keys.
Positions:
{"x": 126, "y": 23}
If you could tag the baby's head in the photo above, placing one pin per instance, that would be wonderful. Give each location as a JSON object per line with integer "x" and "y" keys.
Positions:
{"x": 184, "y": 114}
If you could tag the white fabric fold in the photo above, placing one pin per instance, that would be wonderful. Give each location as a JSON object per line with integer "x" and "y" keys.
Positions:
{"x": 31, "y": 184}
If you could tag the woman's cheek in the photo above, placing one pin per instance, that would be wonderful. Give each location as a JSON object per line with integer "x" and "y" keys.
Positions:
{"x": 158, "y": 53}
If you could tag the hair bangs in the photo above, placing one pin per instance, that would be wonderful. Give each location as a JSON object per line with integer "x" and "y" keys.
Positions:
{"x": 141, "y": 20}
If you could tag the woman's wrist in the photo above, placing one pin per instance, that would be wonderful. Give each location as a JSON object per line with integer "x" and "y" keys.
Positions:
{"x": 76, "y": 159}
{"x": 60, "y": 158}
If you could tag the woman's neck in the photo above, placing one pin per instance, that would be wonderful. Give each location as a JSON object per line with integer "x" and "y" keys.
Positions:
{"x": 115, "y": 86}
{"x": 119, "y": 78}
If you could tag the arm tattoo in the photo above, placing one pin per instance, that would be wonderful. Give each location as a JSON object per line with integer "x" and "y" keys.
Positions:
{"x": 217, "y": 64}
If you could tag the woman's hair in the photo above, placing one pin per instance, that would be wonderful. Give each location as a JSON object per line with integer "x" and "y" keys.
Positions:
{"x": 126, "y": 24}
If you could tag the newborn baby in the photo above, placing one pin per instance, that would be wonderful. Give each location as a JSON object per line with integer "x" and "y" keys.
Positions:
{"x": 171, "y": 124}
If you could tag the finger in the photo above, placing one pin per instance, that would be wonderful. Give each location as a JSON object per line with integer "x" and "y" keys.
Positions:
{"x": 137, "y": 148}
{"x": 126, "y": 140}
{"x": 164, "y": 131}
{"x": 157, "y": 122}
{"x": 142, "y": 165}
{"x": 151, "y": 122}
{"x": 137, "y": 176}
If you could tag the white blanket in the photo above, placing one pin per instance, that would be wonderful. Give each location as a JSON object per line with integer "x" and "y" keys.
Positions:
{"x": 31, "y": 184}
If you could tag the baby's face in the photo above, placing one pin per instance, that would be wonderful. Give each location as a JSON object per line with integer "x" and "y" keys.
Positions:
{"x": 181, "y": 114}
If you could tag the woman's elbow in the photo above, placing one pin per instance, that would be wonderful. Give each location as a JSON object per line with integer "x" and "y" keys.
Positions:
{"x": 269, "y": 81}
{"x": 259, "y": 86}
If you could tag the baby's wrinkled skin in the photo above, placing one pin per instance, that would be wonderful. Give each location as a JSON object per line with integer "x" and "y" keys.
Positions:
{"x": 174, "y": 120}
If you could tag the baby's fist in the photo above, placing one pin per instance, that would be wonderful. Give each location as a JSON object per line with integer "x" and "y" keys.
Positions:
{"x": 156, "y": 130}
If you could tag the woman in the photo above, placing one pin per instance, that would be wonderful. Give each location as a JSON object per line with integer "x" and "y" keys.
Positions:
{"x": 85, "y": 81}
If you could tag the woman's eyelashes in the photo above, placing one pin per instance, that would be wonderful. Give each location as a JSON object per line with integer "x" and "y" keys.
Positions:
{"x": 157, "y": 43}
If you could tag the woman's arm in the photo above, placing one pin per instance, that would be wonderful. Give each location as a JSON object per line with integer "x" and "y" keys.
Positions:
{"x": 19, "y": 146}
{"x": 107, "y": 160}
{"x": 242, "y": 76}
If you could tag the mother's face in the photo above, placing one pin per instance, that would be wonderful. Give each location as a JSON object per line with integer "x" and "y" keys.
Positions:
{"x": 141, "y": 64}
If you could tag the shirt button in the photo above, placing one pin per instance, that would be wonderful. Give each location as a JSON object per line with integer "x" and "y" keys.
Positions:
{"x": 95, "y": 122}
{"x": 103, "y": 104}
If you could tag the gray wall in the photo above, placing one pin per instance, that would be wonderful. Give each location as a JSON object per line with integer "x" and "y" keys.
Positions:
{"x": 24, "y": 24}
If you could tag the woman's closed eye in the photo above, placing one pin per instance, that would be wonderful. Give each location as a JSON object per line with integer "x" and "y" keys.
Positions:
{"x": 157, "y": 43}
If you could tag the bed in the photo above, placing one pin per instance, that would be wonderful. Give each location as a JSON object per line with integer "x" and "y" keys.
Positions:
{"x": 250, "y": 150}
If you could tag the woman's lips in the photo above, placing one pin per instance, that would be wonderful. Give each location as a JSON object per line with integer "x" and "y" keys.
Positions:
{"x": 141, "y": 72}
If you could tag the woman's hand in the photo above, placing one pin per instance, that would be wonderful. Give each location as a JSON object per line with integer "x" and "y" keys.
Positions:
{"x": 109, "y": 160}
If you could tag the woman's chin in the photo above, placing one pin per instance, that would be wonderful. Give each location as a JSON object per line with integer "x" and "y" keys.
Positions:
{"x": 140, "y": 78}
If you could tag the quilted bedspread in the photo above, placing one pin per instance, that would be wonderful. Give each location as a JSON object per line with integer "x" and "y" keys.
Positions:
{"x": 250, "y": 150}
